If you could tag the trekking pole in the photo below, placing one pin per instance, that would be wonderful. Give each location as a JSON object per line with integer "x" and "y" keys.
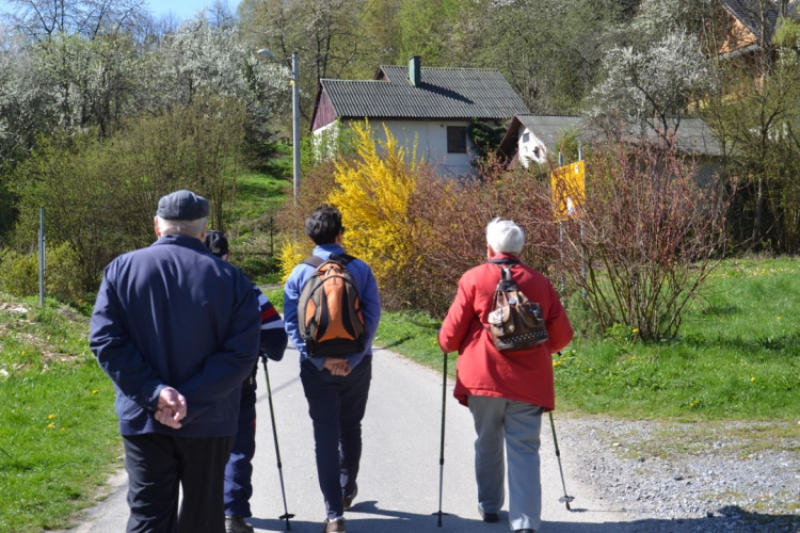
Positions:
{"x": 441, "y": 446}
{"x": 566, "y": 499}
{"x": 286, "y": 516}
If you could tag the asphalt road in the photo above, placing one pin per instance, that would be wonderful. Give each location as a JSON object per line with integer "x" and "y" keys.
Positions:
{"x": 399, "y": 478}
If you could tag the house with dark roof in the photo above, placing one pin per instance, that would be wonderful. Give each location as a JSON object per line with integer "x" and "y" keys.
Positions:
{"x": 532, "y": 138}
{"x": 431, "y": 106}
{"x": 752, "y": 23}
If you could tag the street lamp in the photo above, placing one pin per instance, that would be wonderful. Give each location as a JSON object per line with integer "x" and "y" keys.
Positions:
{"x": 295, "y": 120}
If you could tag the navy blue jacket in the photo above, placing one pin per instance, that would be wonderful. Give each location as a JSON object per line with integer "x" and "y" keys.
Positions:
{"x": 174, "y": 315}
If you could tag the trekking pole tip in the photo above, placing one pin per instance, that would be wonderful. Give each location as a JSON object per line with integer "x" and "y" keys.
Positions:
{"x": 567, "y": 500}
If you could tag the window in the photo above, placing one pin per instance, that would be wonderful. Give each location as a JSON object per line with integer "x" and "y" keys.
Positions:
{"x": 526, "y": 137}
{"x": 456, "y": 139}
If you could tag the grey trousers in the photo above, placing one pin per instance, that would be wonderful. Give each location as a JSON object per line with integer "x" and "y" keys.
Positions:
{"x": 520, "y": 424}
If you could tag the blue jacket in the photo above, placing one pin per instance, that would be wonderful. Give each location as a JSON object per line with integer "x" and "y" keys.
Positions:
{"x": 174, "y": 315}
{"x": 367, "y": 290}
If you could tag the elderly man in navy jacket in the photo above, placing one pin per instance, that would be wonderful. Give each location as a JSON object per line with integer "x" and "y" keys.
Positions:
{"x": 177, "y": 330}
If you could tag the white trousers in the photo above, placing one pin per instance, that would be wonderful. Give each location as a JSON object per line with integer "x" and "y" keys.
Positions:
{"x": 521, "y": 424}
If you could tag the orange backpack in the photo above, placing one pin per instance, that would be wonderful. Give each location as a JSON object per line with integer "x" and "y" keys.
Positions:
{"x": 329, "y": 309}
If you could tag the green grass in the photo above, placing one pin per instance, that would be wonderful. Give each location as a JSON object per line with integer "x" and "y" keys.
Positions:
{"x": 258, "y": 194}
{"x": 738, "y": 356}
{"x": 58, "y": 431}
{"x": 253, "y": 229}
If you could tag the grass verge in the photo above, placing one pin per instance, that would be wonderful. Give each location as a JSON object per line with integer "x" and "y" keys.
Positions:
{"x": 58, "y": 431}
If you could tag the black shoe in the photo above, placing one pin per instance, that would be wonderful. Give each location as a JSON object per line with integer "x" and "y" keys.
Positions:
{"x": 334, "y": 526}
{"x": 489, "y": 517}
{"x": 236, "y": 524}
{"x": 525, "y": 530}
{"x": 347, "y": 501}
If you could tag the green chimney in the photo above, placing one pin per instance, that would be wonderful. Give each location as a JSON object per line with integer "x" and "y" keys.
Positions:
{"x": 415, "y": 71}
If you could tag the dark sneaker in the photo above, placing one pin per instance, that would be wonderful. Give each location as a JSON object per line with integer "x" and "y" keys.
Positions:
{"x": 236, "y": 524}
{"x": 489, "y": 517}
{"x": 334, "y": 526}
{"x": 525, "y": 530}
{"x": 347, "y": 501}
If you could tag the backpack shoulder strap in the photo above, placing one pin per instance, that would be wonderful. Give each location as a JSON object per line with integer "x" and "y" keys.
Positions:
{"x": 342, "y": 258}
{"x": 506, "y": 282}
{"x": 505, "y": 261}
{"x": 314, "y": 261}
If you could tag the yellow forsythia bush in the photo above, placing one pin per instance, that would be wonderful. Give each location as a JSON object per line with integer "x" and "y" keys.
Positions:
{"x": 373, "y": 193}
{"x": 291, "y": 253}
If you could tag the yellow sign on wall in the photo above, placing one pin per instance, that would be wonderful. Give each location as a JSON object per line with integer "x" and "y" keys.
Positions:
{"x": 569, "y": 190}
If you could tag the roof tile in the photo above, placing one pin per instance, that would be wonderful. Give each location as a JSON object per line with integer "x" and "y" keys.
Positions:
{"x": 445, "y": 93}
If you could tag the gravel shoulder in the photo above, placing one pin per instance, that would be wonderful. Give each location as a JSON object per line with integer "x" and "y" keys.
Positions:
{"x": 674, "y": 477}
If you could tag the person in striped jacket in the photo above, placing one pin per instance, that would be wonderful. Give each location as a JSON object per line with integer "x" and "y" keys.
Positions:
{"x": 239, "y": 470}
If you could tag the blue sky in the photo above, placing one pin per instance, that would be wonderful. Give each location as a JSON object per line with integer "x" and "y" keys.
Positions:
{"x": 183, "y": 9}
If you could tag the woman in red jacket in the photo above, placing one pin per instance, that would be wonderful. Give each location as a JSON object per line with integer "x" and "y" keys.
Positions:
{"x": 506, "y": 394}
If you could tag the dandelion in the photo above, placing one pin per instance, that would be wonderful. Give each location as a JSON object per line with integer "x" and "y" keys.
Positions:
{"x": 95, "y": 391}
{"x": 51, "y": 426}
{"x": 52, "y": 416}
{"x": 779, "y": 318}
{"x": 635, "y": 331}
{"x": 752, "y": 379}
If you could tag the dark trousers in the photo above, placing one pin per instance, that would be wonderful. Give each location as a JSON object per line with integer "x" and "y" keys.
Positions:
{"x": 239, "y": 470}
{"x": 157, "y": 465}
{"x": 337, "y": 405}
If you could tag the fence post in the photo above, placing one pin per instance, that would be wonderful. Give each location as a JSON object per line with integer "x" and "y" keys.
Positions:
{"x": 41, "y": 256}
{"x": 271, "y": 236}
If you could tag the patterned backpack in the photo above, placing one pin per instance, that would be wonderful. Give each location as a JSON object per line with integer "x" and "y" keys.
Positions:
{"x": 515, "y": 322}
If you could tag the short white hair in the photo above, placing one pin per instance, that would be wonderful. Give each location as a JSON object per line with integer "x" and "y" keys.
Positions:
{"x": 505, "y": 237}
{"x": 190, "y": 228}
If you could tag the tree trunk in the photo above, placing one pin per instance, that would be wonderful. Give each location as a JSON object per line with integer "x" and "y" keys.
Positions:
{"x": 759, "y": 214}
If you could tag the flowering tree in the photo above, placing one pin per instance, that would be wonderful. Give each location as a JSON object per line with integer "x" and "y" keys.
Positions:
{"x": 373, "y": 192}
{"x": 655, "y": 70}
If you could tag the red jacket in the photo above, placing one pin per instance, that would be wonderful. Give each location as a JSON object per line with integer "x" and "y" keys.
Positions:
{"x": 484, "y": 371}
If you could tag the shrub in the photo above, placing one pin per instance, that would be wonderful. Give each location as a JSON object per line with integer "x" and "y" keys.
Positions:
{"x": 100, "y": 195}
{"x": 295, "y": 246}
{"x": 451, "y": 234}
{"x": 647, "y": 238}
{"x": 19, "y": 273}
{"x": 290, "y": 254}
{"x": 373, "y": 192}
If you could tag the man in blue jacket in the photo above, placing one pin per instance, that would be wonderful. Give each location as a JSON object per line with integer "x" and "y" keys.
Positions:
{"x": 239, "y": 470}
{"x": 177, "y": 331}
{"x": 336, "y": 387}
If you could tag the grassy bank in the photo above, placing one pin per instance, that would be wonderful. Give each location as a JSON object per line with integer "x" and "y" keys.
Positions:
{"x": 254, "y": 231}
{"x": 58, "y": 432}
{"x": 738, "y": 356}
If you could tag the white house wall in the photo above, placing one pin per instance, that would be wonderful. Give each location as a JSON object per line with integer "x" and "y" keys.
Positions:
{"x": 531, "y": 151}
{"x": 431, "y": 139}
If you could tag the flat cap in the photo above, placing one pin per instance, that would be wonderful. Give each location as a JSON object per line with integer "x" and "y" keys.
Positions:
{"x": 182, "y": 205}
